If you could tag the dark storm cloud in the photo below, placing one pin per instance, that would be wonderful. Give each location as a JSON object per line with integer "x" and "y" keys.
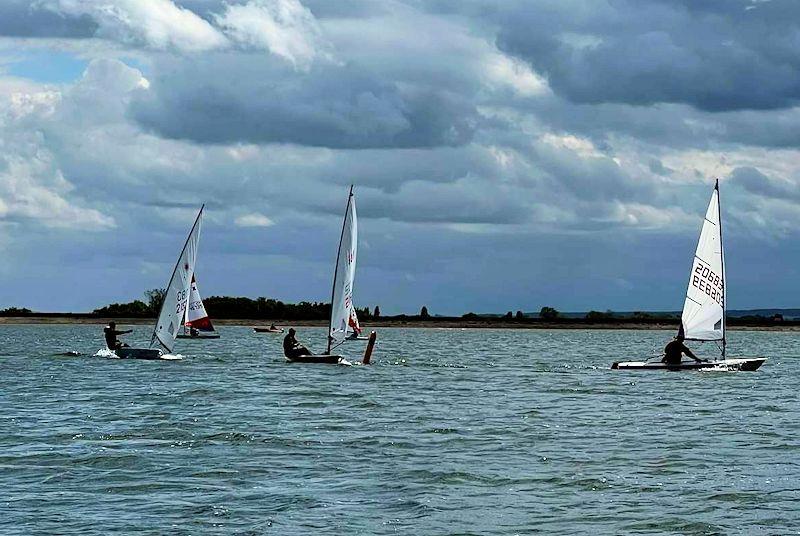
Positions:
{"x": 677, "y": 126}
{"x": 469, "y": 201}
{"x": 227, "y": 98}
{"x": 755, "y": 182}
{"x": 712, "y": 55}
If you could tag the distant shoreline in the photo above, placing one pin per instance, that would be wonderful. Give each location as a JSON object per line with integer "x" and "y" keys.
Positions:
{"x": 449, "y": 323}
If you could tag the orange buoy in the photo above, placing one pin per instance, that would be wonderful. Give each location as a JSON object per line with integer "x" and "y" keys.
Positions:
{"x": 370, "y": 345}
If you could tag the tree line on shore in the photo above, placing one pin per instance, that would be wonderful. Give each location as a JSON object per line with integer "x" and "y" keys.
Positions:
{"x": 226, "y": 307}
{"x": 234, "y": 308}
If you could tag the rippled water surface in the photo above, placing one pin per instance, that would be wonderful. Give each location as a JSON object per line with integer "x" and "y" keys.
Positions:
{"x": 449, "y": 432}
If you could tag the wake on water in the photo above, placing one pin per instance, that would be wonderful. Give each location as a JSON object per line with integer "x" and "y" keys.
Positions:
{"x": 720, "y": 368}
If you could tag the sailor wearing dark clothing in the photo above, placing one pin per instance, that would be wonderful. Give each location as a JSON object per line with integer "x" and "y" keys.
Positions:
{"x": 291, "y": 347}
{"x": 111, "y": 333}
{"x": 675, "y": 349}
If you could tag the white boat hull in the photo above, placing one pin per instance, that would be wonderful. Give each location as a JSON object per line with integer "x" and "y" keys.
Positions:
{"x": 737, "y": 363}
{"x": 319, "y": 358}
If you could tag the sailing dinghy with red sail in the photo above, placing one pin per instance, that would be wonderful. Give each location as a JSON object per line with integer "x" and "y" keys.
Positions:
{"x": 196, "y": 323}
{"x": 354, "y": 328}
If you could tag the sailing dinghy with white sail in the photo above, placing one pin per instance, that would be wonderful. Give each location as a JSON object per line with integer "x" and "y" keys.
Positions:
{"x": 196, "y": 323}
{"x": 703, "y": 317}
{"x": 176, "y": 298}
{"x": 342, "y": 292}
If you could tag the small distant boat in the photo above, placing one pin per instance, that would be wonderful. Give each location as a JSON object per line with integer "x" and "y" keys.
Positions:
{"x": 703, "y": 317}
{"x": 196, "y": 323}
{"x": 342, "y": 292}
{"x": 268, "y": 330}
{"x": 176, "y": 298}
{"x": 354, "y": 328}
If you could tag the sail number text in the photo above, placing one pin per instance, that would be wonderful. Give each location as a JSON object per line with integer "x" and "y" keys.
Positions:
{"x": 705, "y": 280}
{"x": 181, "y": 297}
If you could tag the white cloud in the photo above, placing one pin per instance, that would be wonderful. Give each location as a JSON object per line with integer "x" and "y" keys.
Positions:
{"x": 34, "y": 190}
{"x": 158, "y": 24}
{"x": 502, "y": 70}
{"x": 253, "y": 220}
{"x": 284, "y": 27}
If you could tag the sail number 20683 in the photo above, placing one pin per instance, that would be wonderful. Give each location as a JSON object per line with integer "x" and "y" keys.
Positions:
{"x": 705, "y": 280}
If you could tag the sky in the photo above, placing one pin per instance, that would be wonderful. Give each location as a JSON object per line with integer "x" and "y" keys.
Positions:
{"x": 505, "y": 155}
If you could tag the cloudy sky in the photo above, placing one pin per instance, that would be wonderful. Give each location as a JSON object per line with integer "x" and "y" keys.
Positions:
{"x": 506, "y": 155}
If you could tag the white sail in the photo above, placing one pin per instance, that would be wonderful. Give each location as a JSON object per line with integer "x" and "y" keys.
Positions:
{"x": 703, "y": 317}
{"x": 196, "y": 316}
{"x": 177, "y": 295}
{"x": 342, "y": 299}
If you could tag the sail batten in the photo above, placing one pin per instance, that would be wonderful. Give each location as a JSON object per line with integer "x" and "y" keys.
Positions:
{"x": 344, "y": 276}
{"x": 704, "y": 308}
{"x": 176, "y": 297}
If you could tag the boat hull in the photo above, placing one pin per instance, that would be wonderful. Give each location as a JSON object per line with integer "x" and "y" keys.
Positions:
{"x": 182, "y": 336}
{"x": 139, "y": 353}
{"x": 267, "y": 330}
{"x": 741, "y": 363}
{"x": 321, "y": 358}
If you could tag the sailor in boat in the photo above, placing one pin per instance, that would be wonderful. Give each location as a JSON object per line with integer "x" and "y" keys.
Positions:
{"x": 291, "y": 346}
{"x": 111, "y": 333}
{"x": 193, "y": 332}
{"x": 675, "y": 349}
{"x": 273, "y": 327}
{"x": 354, "y": 325}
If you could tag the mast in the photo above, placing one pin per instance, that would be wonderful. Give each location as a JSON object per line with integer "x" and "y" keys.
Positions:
{"x": 177, "y": 263}
{"x": 724, "y": 280}
{"x": 336, "y": 269}
{"x": 186, "y": 312}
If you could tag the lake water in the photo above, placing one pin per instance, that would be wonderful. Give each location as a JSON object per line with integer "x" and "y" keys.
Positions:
{"x": 449, "y": 432}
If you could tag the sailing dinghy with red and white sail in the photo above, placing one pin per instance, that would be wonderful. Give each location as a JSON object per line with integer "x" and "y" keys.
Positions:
{"x": 196, "y": 323}
{"x": 354, "y": 328}
{"x": 703, "y": 317}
